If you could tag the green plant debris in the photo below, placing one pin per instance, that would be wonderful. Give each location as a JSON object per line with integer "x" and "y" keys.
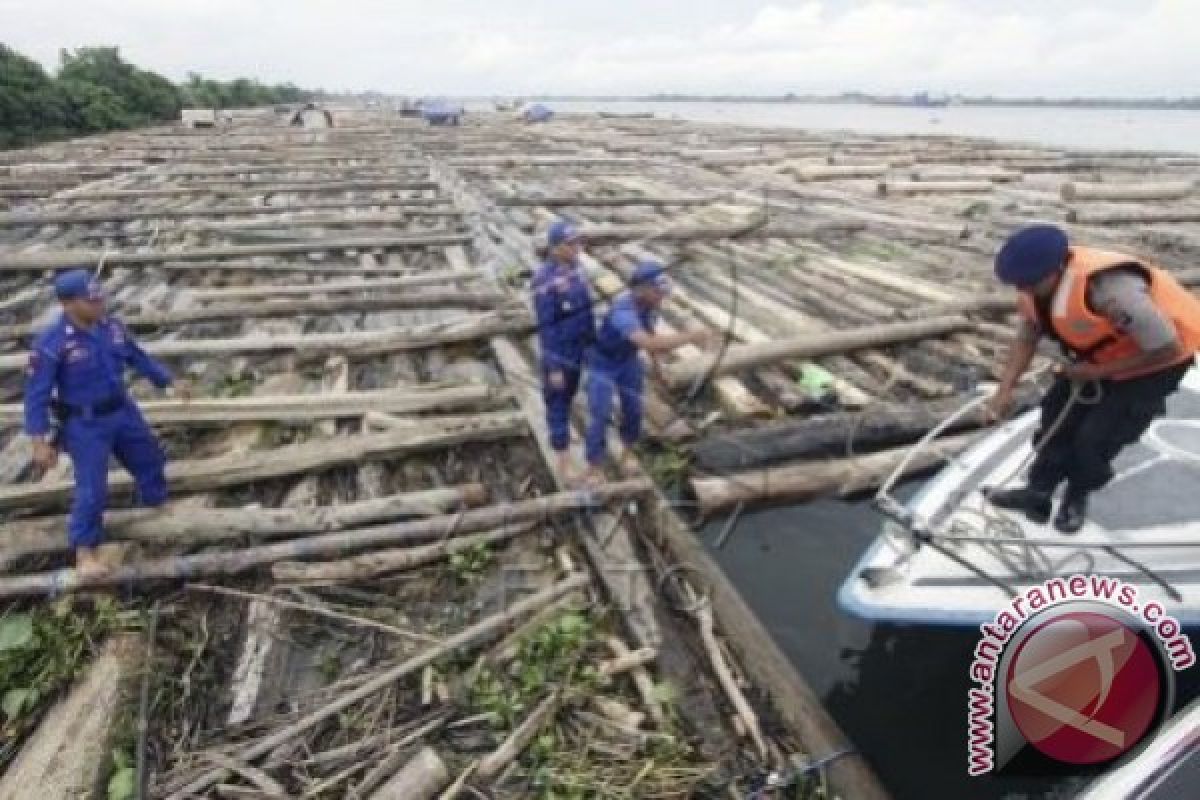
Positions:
{"x": 123, "y": 783}
{"x": 470, "y": 563}
{"x": 668, "y": 465}
{"x": 41, "y": 652}
{"x": 235, "y": 385}
{"x": 545, "y": 657}
{"x": 975, "y": 210}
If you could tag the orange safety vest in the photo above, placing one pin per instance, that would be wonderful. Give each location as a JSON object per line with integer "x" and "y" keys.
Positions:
{"x": 1091, "y": 336}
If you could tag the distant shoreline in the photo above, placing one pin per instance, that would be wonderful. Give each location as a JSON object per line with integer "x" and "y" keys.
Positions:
{"x": 1132, "y": 104}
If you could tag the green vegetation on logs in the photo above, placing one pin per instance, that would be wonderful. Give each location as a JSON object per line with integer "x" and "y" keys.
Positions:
{"x": 545, "y": 658}
{"x": 95, "y": 90}
{"x": 41, "y": 651}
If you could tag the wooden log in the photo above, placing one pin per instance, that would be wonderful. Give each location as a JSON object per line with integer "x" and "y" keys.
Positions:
{"x": 886, "y": 188}
{"x": 837, "y": 172}
{"x": 740, "y": 357}
{"x": 189, "y": 526}
{"x": 205, "y": 474}
{"x": 354, "y": 344}
{"x": 600, "y": 200}
{"x": 241, "y": 190}
{"x": 265, "y": 292}
{"x": 885, "y": 425}
{"x": 307, "y": 407}
{"x": 14, "y": 219}
{"x": 449, "y": 298}
{"x": 624, "y": 233}
{"x": 468, "y": 638}
{"x": 422, "y": 778}
{"x": 41, "y": 260}
{"x": 228, "y": 562}
{"x": 993, "y": 174}
{"x": 495, "y": 762}
{"x": 800, "y": 482}
{"x": 382, "y": 562}
{"x": 1076, "y": 192}
{"x": 1132, "y": 216}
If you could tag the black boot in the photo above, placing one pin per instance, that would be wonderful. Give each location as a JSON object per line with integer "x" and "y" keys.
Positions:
{"x": 1034, "y": 502}
{"x": 1072, "y": 512}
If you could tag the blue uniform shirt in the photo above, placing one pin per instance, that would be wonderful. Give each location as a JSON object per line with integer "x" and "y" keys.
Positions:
{"x": 85, "y": 366}
{"x": 566, "y": 323}
{"x": 624, "y": 318}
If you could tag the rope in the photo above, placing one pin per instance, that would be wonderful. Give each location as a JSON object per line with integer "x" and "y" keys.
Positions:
{"x": 994, "y": 524}
{"x": 776, "y": 781}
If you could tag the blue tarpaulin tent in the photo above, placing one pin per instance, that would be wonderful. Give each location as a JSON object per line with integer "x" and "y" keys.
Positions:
{"x": 537, "y": 113}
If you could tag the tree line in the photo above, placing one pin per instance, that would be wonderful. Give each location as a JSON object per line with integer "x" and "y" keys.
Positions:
{"x": 95, "y": 90}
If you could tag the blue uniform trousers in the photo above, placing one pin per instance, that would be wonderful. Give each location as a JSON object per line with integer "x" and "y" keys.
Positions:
{"x": 90, "y": 441}
{"x": 558, "y": 404}
{"x": 605, "y": 379}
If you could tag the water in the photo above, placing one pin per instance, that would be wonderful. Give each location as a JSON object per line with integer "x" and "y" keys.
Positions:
{"x": 898, "y": 692}
{"x": 1083, "y": 128}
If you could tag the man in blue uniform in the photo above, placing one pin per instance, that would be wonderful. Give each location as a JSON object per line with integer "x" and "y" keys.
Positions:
{"x": 76, "y": 371}
{"x": 614, "y": 366}
{"x": 562, "y": 304}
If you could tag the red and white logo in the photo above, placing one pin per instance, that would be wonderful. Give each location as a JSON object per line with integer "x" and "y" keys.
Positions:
{"x": 1083, "y": 687}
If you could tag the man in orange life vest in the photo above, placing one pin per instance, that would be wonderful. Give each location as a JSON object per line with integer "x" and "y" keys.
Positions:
{"x": 1127, "y": 325}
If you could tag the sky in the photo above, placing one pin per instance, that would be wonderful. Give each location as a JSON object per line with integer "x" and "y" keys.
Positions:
{"x": 504, "y": 47}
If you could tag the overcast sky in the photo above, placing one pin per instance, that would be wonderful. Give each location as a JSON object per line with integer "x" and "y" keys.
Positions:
{"x": 1025, "y": 47}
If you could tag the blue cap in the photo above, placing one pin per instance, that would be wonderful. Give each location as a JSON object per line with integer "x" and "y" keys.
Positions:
{"x": 77, "y": 283}
{"x": 649, "y": 272}
{"x": 1031, "y": 254}
{"x": 562, "y": 231}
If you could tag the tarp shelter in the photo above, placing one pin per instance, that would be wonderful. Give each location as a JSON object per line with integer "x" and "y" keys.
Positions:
{"x": 537, "y": 113}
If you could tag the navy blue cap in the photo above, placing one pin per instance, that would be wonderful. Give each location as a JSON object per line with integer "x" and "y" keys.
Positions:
{"x": 77, "y": 283}
{"x": 1031, "y": 254}
{"x": 649, "y": 272}
{"x": 562, "y": 231}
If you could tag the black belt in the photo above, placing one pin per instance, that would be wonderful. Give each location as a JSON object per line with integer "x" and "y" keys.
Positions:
{"x": 104, "y": 407}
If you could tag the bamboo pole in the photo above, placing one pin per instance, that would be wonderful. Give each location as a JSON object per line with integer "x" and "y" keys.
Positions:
{"x": 470, "y": 637}
{"x": 229, "y": 562}
{"x": 740, "y": 357}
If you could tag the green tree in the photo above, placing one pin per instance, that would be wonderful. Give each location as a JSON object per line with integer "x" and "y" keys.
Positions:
{"x": 29, "y": 101}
